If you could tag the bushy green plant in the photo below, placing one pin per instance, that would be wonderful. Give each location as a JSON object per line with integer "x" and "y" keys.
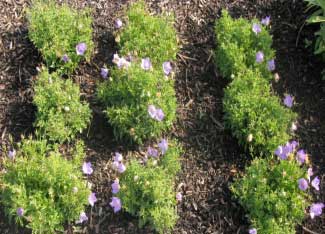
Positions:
{"x": 48, "y": 188}
{"x": 318, "y": 17}
{"x": 237, "y": 46}
{"x": 252, "y": 111}
{"x": 149, "y": 36}
{"x": 147, "y": 191}
{"x": 270, "y": 194}
{"x": 60, "y": 114}
{"x": 128, "y": 96}
{"x": 56, "y": 31}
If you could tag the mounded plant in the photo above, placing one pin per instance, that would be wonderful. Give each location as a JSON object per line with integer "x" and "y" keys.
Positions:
{"x": 254, "y": 115}
{"x": 147, "y": 191}
{"x": 270, "y": 194}
{"x": 238, "y": 45}
{"x": 60, "y": 113}
{"x": 62, "y": 34}
{"x": 42, "y": 189}
{"x": 130, "y": 95}
{"x": 149, "y": 36}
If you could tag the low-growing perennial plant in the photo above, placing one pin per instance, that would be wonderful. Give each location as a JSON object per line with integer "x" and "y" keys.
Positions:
{"x": 254, "y": 115}
{"x": 60, "y": 113}
{"x": 270, "y": 192}
{"x": 147, "y": 191}
{"x": 62, "y": 34}
{"x": 242, "y": 45}
{"x": 147, "y": 36}
{"x": 42, "y": 189}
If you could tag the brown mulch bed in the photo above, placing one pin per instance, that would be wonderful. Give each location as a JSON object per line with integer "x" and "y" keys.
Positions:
{"x": 212, "y": 157}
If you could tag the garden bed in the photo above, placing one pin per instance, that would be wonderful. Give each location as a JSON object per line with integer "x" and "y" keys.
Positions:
{"x": 212, "y": 156}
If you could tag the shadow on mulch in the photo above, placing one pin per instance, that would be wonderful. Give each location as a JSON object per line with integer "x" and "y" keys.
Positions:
{"x": 19, "y": 67}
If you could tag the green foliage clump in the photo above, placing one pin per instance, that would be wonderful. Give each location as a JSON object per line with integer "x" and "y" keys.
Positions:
{"x": 43, "y": 183}
{"x": 149, "y": 36}
{"x": 60, "y": 114}
{"x": 56, "y": 30}
{"x": 147, "y": 191}
{"x": 251, "y": 108}
{"x": 270, "y": 194}
{"x": 238, "y": 45}
{"x": 318, "y": 17}
{"x": 127, "y": 97}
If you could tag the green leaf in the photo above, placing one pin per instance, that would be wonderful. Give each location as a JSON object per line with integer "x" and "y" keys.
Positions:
{"x": 316, "y": 19}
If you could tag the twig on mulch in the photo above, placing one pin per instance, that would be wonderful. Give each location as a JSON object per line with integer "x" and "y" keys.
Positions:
{"x": 310, "y": 231}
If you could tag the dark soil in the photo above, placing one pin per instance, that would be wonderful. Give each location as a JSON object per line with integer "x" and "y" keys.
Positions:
{"x": 212, "y": 156}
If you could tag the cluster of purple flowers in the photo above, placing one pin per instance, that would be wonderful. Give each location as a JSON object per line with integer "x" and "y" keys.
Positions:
{"x": 117, "y": 164}
{"x": 257, "y": 29}
{"x": 116, "y": 203}
{"x": 121, "y": 62}
{"x": 87, "y": 169}
{"x": 303, "y": 183}
{"x": 283, "y": 153}
{"x": 162, "y": 145}
{"x": 316, "y": 209}
{"x": 80, "y": 50}
{"x": 156, "y": 113}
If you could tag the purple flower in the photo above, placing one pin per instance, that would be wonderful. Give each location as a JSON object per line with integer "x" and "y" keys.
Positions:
{"x": 152, "y": 111}
{"x": 159, "y": 115}
{"x": 310, "y": 173}
{"x": 65, "y": 58}
{"x": 288, "y": 101}
{"x": 123, "y": 63}
{"x": 156, "y": 113}
{"x": 256, "y": 28}
{"x": 87, "y": 168}
{"x": 301, "y": 156}
{"x": 315, "y": 183}
{"x": 163, "y": 145}
{"x": 83, "y": 217}
{"x": 294, "y": 145}
{"x": 118, "y": 157}
{"x": 252, "y": 231}
{"x": 152, "y": 152}
{"x": 271, "y": 65}
{"x": 259, "y": 57}
{"x": 115, "y": 165}
{"x": 179, "y": 197}
{"x": 118, "y": 23}
{"x": 81, "y": 48}
{"x": 116, "y": 204}
{"x": 104, "y": 72}
{"x": 316, "y": 209}
{"x": 12, "y": 154}
{"x": 116, "y": 58}
{"x": 20, "y": 211}
{"x": 116, "y": 186}
{"x": 121, "y": 168}
{"x": 303, "y": 184}
{"x": 167, "y": 67}
{"x": 266, "y": 20}
{"x": 146, "y": 64}
{"x": 92, "y": 199}
{"x": 283, "y": 151}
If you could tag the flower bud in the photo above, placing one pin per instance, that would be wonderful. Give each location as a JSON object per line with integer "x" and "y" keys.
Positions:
{"x": 250, "y": 137}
